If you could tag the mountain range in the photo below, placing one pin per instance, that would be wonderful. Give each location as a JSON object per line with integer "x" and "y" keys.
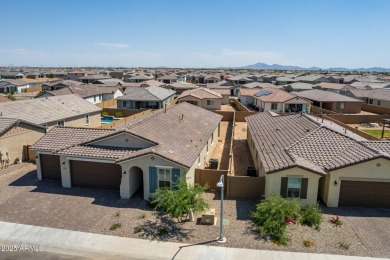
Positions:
{"x": 263, "y": 66}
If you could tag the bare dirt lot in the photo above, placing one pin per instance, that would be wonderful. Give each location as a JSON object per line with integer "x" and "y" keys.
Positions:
{"x": 241, "y": 154}
{"x": 222, "y": 148}
{"x": 24, "y": 199}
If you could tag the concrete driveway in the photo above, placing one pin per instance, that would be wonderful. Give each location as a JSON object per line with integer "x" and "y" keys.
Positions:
{"x": 24, "y": 199}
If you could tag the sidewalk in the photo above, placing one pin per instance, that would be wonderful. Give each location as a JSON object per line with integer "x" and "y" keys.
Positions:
{"x": 83, "y": 244}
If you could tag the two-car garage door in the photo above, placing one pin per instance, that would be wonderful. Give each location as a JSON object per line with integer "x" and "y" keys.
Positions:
{"x": 95, "y": 175}
{"x": 364, "y": 194}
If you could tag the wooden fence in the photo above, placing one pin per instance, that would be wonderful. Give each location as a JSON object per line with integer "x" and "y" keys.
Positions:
{"x": 376, "y": 109}
{"x": 353, "y": 130}
{"x": 107, "y": 103}
{"x": 32, "y": 89}
{"x": 126, "y": 119}
{"x": 245, "y": 187}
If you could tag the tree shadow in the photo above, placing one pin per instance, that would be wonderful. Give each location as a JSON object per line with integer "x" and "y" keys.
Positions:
{"x": 164, "y": 229}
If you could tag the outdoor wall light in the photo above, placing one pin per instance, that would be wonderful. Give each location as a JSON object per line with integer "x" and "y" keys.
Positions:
{"x": 63, "y": 163}
{"x": 124, "y": 173}
{"x": 335, "y": 183}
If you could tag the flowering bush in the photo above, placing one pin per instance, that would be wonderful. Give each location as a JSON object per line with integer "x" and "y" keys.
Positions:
{"x": 336, "y": 221}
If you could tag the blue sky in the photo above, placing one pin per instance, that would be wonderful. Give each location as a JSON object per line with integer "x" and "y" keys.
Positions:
{"x": 201, "y": 33}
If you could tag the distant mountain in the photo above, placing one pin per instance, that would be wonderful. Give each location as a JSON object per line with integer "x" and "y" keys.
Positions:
{"x": 263, "y": 66}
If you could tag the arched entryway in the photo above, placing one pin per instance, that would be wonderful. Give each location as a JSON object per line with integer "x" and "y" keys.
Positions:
{"x": 136, "y": 181}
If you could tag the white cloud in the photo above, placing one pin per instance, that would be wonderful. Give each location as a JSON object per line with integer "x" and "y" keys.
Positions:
{"x": 114, "y": 45}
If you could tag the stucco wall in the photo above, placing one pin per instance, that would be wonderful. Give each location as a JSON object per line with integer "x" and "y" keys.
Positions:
{"x": 17, "y": 137}
{"x": 216, "y": 106}
{"x": 79, "y": 121}
{"x": 366, "y": 171}
{"x": 120, "y": 141}
{"x": 273, "y": 183}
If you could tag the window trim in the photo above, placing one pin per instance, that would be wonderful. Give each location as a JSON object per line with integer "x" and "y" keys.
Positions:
{"x": 300, "y": 186}
{"x": 210, "y": 102}
{"x": 272, "y": 104}
{"x": 340, "y": 105}
{"x": 170, "y": 175}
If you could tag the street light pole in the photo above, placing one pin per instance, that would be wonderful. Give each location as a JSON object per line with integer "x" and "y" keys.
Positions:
{"x": 221, "y": 185}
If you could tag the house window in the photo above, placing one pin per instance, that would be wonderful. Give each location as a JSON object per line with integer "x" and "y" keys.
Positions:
{"x": 61, "y": 123}
{"x": 87, "y": 119}
{"x": 164, "y": 178}
{"x": 370, "y": 101}
{"x": 379, "y": 102}
{"x": 210, "y": 102}
{"x": 274, "y": 106}
{"x": 94, "y": 98}
{"x": 340, "y": 105}
{"x": 294, "y": 187}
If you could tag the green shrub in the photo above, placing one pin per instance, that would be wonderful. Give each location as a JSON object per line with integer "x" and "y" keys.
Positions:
{"x": 104, "y": 113}
{"x": 272, "y": 215}
{"x": 162, "y": 232}
{"x": 118, "y": 114}
{"x": 11, "y": 97}
{"x": 311, "y": 216}
{"x": 336, "y": 221}
{"x": 115, "y": 226}
{"x": 178, "y": 201}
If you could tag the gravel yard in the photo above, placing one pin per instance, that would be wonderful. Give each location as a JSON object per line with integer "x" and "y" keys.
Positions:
{"x": 25, "y": 200}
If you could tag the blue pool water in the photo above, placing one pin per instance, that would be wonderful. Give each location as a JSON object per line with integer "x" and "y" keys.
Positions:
{"x": 108, "y": 119}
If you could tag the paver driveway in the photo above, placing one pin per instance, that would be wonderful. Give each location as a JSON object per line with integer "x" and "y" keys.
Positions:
{"x": 371, "y": 225}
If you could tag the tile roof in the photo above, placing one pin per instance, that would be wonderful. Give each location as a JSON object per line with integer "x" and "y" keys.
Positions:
{"x": 86, "y": 90}
{"x": 327, "y": 85}
{"x": 381, "y": 146}
{"x": 298, "y": 141}
{"x": 260, "y": 85}
{"x": 147, "y": 94}
{"x": 200, "y": 93}
{"x": 380, "y": 94}
{"x": 63, "y": 137}
{"x": 299, "y": 85}
{"x": 176, "y": 139}
{"x": 44, "y": 110}
{"x": 277, "y": 96}
{"x": 324, "y": 96}
{"x": 182, "y": 85}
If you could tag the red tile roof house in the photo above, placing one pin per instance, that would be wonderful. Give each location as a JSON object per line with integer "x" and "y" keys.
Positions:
{"x": 202, "y": 97}
{"x": 299, "y": 157}
{"x": 148, "y": 152}
{"x": 275, "y": 100}
{"x": 332, "y": 101}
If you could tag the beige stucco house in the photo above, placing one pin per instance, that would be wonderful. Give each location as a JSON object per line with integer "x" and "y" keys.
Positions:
{"x": 15, "y": 134}
{"x": 299, "y": 157}
{"x": 152, "y": 151}
{"x": 202, "y": 97}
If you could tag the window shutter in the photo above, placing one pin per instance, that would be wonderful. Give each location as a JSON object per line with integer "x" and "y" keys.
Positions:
{"x": 175, "y": 177}
{"x": 283, "y": 187}
{"x": 152, "y": 179}
{"x": 304, "y": 185}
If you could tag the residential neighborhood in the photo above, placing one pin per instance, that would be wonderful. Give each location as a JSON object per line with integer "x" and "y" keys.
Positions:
{"x": 118, "y": 141}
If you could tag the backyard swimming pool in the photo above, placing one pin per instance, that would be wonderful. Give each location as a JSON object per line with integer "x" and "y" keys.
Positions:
{"x": 108, "y": 119}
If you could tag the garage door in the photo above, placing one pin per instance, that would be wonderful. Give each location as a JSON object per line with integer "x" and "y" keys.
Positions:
{"x": 364, "y": 194}
{"x": 95, "y": 175}
{"x": 50, "y": 166}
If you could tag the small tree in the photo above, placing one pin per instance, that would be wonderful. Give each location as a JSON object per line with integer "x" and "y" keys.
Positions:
{"x": 180, "y": 200}
{"x": 118, "y": 114}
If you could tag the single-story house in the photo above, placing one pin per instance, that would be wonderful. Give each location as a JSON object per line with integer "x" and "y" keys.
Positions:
{"x": 74, "y": 75}
{"x": 179, "y": 87}
{"x": 300, "y": 158}
{"x": 65, "y": 110}
{"x": 225, "y": 93}
{"x": 92, "y": 78}
{"x": 332, "y": 101}
{"x": 312, "y": 79}
{"x": 60, "y": 84}
{"x": 246, "y": 95}
{"x": 12, "y": 75}
{"x": 377, "y": 97}
{"x": 149, "y": 97}
{"x": 202, "y": 97}
{"x": 284, "y": 80}
{"x": 13, "y": 85}
{"x": 278, "y": 100}
{"x": 259, "y": 85}
{"x": 144, "y": 154}
{"x": 90, "y": 92}
{"x": 333, "y": 87}
{"x": 15, "y": 134}
{"x": 369, "y": 85}
{"x": 168, "y": 79}
{"x": 132, "y": 78}
{"x": 298, "y": 86}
